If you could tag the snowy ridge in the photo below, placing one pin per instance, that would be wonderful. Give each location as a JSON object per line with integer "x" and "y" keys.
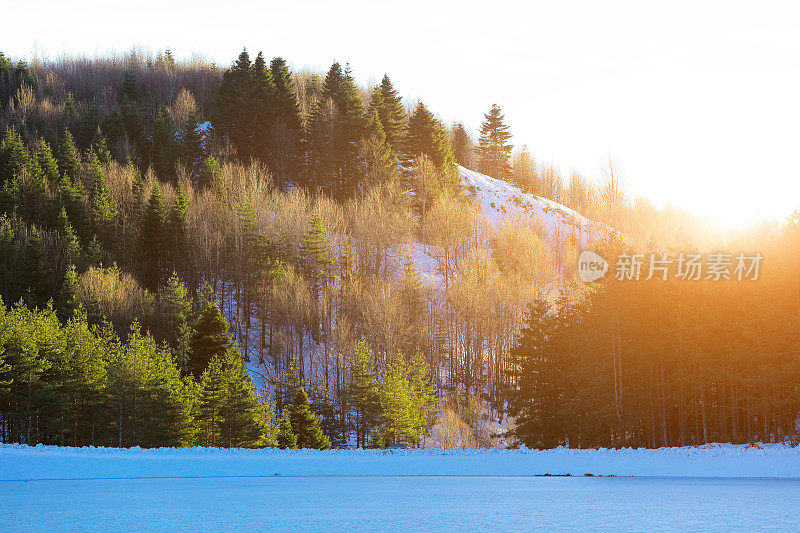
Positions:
{"x": 713, "y": 460}
{"x": 499, "y": 199}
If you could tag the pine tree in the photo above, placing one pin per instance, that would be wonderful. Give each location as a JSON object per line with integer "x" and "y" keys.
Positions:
{"x": 81, "y": 379}
{"x": 462, "y": 145}
{"x": 69, "y": 160}
{"x": 177, "y": 232}
{"x": 493, "y": 148}
{"x": 192, "y": 150}
{"x": 153, "y": 240}
{"x": 337, "y": 124}
{"x": 286, "y": 127}
{"x": 30, "y": 349}
{"x": 67, "y": 299}
{"x": 47, "y": 163}
{"x": 305, "y": 424}
{"x": 14, "y": 157}
{"x": 233, "y": 114}
{"x": 242, "y": 424}
{"x": 164, "y": 149}
{"x": 286, "y": 437}
{"x": 380, "y": 164}
{"x": 427, "y": 136}
{"x": 363, "y": 394}
{"x": 392, "y": 115}
{"x": 103, "y": 209}
{"x": 396, "y": 405}
{"x": 210, "y": 338}
{"x": 175, "y": 308}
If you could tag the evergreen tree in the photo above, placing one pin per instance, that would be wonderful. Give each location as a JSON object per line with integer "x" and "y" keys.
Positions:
{"x": 175, "y": 309}
{"x": 210, "y": 339}
{"x": 392, "y": 115}
{"x": 380, "y": 164}
{"x": 242, "y": 424}
{"x": 153, "y": 240}
{"x": 67, "y": 299}
{"x": 47, "y": 163}
{"x": 462, "y": 145}
{"x": 304, "y": 423}
{"x": 103, "y": 209}
{"x": 534, "y": 369}
{"x": 233, "y": 113}
{"x": 427, "y": 136}
{"x": 363, "y": 394}
{"x": 286, "y": 437}
{"x": 286, "y": 130}
{"x": 81, "y": 378}
{"x": 14, "y": 157}
{"x": 493, "y": 148}
{"x": 192, "y": 151}
{"x": 396, "y": 405}
{"x": 69, "y": 160}
{"x": 337, "y": 124}
{"x": 177, "y": 232}
{"x": 210, "y": 175}
{"x": 164, "y": 149}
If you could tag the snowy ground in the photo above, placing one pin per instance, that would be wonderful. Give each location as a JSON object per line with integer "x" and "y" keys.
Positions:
{"x": 710, "y": 488}
{"x": 713, "y": 460}
{"x": 401, "y": 504}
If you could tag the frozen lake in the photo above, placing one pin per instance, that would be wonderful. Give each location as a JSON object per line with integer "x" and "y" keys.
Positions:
{"x": 397, "y": 503}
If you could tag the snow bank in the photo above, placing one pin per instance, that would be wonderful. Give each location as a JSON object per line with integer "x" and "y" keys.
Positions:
{"x": 713, "y": 460}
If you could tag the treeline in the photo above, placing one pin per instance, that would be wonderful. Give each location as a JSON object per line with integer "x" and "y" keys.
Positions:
{"x": 70, "y": 383}
{"x": 665, "y": 363}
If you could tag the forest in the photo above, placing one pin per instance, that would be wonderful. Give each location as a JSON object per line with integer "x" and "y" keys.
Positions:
{"x": 247, "y": 256}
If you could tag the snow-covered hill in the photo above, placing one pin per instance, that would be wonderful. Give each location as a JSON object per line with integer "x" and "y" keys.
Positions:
{"x": 499, "y": 199}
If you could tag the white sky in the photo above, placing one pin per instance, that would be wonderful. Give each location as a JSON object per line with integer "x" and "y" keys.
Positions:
{"x": 699, "y": 102}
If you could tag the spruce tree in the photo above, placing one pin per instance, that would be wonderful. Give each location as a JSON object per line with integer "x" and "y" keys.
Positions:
{"x": 103, "y": 209}
{"x": 242, "y": 424}
{"x": 427, "y": 136}
{"x": 210, "y": 339}
{"x": 175, "y": 308}
{"x": 232, "y": 108}
{"x": 363, "y": 394}
{"x": 462, "y": 145}
{"x": 286, "y": 130}
{"x": 493, "y": 148}
{"x": 286, "y": 437}
{"x": 66, "y": 302}
{"x": 304, "y": 423}
{"x": 380, "y": 163}
{"x": 337, "y": 125}
{"x": 177, "y": 231}
{"x": 392, "y": 115}
{"x": 153, "y": 240}
{"x": 14, "y": 156}
{"x": 69, "y": 161}
{"x": 47, "y": 163}
{"x": 192, "y": 150}
{"x": 164, "y": 149}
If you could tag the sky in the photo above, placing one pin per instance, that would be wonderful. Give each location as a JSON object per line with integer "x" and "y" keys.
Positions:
{"x": 698, "y": 103}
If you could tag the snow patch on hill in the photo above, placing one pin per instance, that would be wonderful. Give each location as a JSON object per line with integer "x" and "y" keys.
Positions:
{"x": 499, "y": 199}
